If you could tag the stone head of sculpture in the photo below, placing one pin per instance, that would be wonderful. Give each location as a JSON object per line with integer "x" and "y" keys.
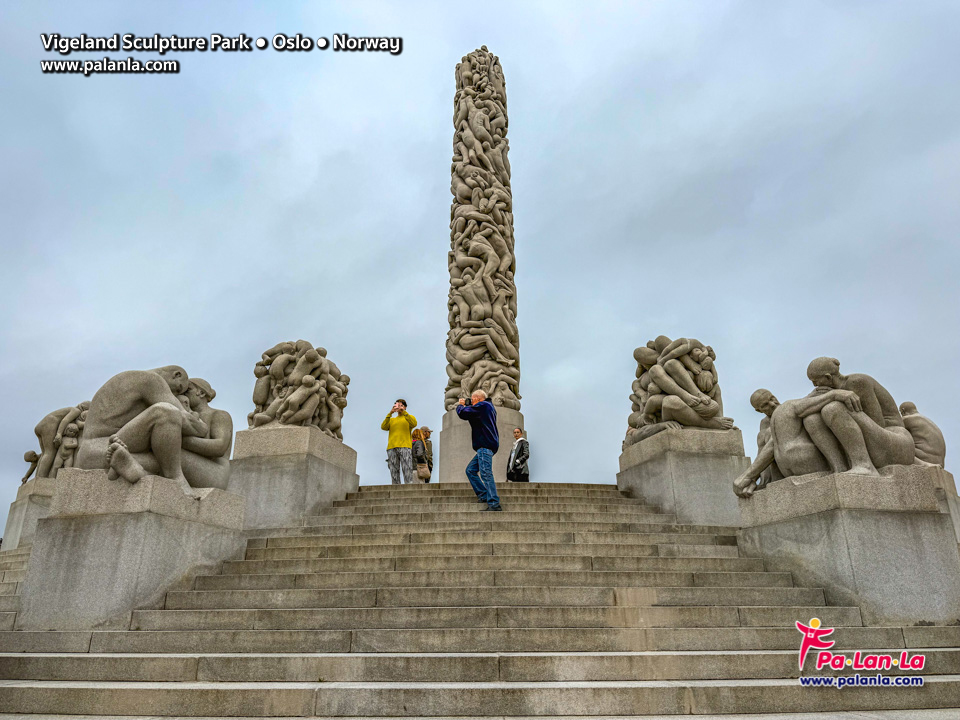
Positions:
{"x": 764, "y": 401}
{"x": 645, "y": 356}
{"x": 175, "y": 376}
{"x": 908, "y": 408}
{"x": 84, "y": 406}
{"x": 345, "y": 379}
{"x": 661, "y": 342}
{"x": 30, "y": 456}
{"x": 199, "y": 393}
{"x": 824, "y": 372}
{"x": 260, "y": 370}
{"x": 308, "y": 380}
{"x": 71, "y": 430}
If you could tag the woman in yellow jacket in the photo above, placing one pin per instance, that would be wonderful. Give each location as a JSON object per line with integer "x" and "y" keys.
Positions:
{"x": 398, "y": 442}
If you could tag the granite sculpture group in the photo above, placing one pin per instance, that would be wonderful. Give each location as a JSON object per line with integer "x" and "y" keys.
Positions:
{"x": 483, "y": 342}
{"x": 676, "y": 387}
{"x": 298, "y": 385}
{"x": 847, "y": 424}
{"x": 160, "y": 422}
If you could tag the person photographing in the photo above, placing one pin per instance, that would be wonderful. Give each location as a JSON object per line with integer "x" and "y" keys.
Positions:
{"x": 482, "y": 417}
{"x": 399, "y": 454}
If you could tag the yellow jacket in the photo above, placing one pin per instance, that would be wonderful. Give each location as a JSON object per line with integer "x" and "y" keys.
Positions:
{"x": 399, "y": 428}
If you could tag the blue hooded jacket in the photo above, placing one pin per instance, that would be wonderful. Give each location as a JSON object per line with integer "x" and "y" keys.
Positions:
{"x": 483, "y": 424}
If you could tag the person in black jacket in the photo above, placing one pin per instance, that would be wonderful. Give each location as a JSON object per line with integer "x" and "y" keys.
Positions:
{"x": 517, "y": 470}
{"x": 482, "y": 417}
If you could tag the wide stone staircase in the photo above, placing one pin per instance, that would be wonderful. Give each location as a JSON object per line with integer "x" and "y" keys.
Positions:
{"x": 13, "y": 570}
{"x": 410, "y": 601}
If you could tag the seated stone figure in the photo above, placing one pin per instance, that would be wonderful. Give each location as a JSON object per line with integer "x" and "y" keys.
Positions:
{"x": 136, "y": 426}
{"x": 206, "y": 460}
{"x": 789, "y": 444}
{"x": 872, "y": 436}
{"x": 928, "y": 441}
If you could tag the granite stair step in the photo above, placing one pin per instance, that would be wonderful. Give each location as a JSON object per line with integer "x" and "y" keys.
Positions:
{"x": 9, "y": 588}
{"x": 484, "y": 522}
{"x": 581, "y": 616}
{"x": 449, "y": 640}
{"x": 464, "y": 549}
{"x": 681, "y": 577}
{"x": 9, "y": 603}
{"x": 426, "y": 667}
{"x": 447, "y": 562}
{"x": 466, "y": 596}
{"x": 472, "y": 506}
{"x": 364, "y": 699}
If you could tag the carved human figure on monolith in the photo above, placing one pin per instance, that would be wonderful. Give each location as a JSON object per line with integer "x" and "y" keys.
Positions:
{"x": 928, "y": 440}
{"x": 298, "y": 385}
{"x": 676, "y": 386}
{"x": 136, "y": 426}
{"x": 483, "y": 343}
{"x": 67, "y": 452}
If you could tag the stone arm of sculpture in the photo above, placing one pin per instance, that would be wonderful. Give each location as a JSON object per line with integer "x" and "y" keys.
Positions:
{"x": 67, "y": 419}
{"x": 34, "y": 460}
{"x": 814, "y": 403}
{"x": 217, "y": 445}
{"x": 745, "y": 485}
{"x": 159, "y": 392}
{"x": 678, "y": 348}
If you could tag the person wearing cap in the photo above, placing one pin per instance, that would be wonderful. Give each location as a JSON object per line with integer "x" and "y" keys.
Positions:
{"x": 399, "y": 454}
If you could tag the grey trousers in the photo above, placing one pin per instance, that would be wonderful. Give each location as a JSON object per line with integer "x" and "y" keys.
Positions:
{"x": 397, "y": 458}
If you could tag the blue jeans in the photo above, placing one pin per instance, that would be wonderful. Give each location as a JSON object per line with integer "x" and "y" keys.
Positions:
{"x": 480, "y": 475}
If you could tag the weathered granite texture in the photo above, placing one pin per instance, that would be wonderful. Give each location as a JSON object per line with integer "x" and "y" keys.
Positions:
{"x": 879, "y": 542}
{"x": 456, "y": 446}
{"x": 33, "y": 502}
{"x": 298, "y": 385}
{"x": 686, "y": 472}
{"x": 848, "y": 423}
{"x": 58, "y": 434}
{"x": 483, "y": 345}
{"x": 676, "y": 386}
{"x": 154, "y": 422}
{"x": 287, "y": 472}
{"x": 112, "y": 547}
{"x": 928, "y": 440}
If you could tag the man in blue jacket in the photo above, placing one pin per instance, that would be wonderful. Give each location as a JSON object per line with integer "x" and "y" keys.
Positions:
{"x": 482, "y": 417}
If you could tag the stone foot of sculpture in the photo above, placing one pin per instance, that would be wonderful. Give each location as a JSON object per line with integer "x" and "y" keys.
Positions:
{"x": 862, "y": 470}
{"x": 122, "y": 463}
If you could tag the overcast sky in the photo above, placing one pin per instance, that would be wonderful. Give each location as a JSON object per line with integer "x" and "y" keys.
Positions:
{"x": 779, "y": 180}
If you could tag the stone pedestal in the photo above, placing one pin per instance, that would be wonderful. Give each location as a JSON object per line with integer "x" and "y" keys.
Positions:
{"x": 688, "y": 473}
{"x": 32, "y": 504}
{"x": 286, "y": 472}
{"x": 456, "y": 445}
{"x": 881, "y": 543}
{"x": 109, "y": 547}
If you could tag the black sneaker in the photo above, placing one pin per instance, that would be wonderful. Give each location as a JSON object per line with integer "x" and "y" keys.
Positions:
{"x": 493, "y": 509}
{"x": 481, "y": 500}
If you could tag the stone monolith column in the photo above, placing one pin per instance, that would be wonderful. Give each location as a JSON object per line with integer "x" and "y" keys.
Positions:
{"x": 483, "y": 344}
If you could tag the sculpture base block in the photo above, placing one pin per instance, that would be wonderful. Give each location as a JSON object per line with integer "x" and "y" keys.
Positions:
{"x": 110, "y": 548}
{"x": 286, "y": 472}
{"x": 456, "y": 445}
{"x": 688, "y": 473}
{"x": 33, "y": 502}
{"x": 881, "y": 543}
